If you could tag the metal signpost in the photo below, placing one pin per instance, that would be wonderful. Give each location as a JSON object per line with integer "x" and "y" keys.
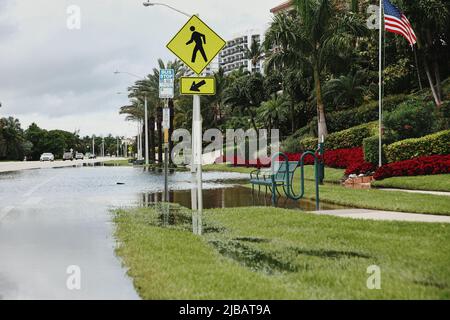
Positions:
{"x": 197, "y": 45}
{"x": 166, "y": 92}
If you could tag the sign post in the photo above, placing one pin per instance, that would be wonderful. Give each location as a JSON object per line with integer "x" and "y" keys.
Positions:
{"x": 197, "y": 45}
{"x": 166, "y": 92}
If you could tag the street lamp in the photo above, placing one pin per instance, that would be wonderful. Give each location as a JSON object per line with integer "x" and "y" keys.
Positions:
{"x": 151, "y": 4}
{"x": 147, "y": 162}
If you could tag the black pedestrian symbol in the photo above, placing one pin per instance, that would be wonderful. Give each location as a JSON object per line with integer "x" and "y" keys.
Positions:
{"x": 200, "y": 40}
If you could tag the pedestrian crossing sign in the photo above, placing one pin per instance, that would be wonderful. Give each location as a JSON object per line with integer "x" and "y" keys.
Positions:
{"x": 196, "y": 44}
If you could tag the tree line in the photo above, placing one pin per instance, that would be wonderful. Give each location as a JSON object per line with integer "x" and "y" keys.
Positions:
{"x": 17, "y": 143}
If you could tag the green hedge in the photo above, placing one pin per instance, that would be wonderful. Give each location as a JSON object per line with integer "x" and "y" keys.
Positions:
{"x": 370, "y": 147}
{"x": 438, "y": 143}
{"x": 351, "y": 138}
{"x": 309, "y": 144}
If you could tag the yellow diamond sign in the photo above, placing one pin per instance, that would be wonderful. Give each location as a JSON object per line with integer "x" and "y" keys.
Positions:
{"x": 196, "y": 44}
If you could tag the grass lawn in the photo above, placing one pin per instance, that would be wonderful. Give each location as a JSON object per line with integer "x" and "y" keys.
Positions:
{"x": 268, "y": 253}
{"x": 440, "y": 182}
{"x": 121, "y": 163}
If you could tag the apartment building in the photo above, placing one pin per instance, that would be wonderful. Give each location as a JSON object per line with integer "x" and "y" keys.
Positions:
{"x": 233, "y": 56}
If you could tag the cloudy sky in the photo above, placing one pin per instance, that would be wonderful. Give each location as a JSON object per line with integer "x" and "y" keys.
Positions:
{"x": 63, "y": 78}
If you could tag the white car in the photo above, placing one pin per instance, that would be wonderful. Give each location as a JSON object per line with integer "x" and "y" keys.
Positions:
{"x": 47, "y": 157}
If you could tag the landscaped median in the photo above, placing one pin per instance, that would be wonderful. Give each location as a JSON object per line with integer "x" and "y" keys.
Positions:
{"x": 332, "y": 192}
{"x": 270, "y": 253}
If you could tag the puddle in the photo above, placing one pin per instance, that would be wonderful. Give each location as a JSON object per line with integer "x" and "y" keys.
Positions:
{"x": 233, "y": 197}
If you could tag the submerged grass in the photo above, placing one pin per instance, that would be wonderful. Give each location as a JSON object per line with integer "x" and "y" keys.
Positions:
{"x": 270, "y": 253}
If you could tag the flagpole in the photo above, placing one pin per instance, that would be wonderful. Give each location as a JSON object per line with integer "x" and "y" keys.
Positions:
{"x": 380, "y": 89}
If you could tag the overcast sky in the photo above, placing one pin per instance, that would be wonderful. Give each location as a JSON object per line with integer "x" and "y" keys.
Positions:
{"x": 63, "y": 78}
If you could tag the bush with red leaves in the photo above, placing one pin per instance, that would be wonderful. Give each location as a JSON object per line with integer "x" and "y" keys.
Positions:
{"x": 350, "y": 159}
{"x": 438, "y": 164}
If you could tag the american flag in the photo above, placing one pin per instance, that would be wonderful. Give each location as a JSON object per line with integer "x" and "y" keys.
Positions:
{"x": 395, "y": 21}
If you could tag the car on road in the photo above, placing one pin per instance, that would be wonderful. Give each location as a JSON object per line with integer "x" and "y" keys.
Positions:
{"x": 68, "y": 156}
{"x": 91, "y": 156}
{"x": 79, "y": 156}
{"x": 47, "y": 157}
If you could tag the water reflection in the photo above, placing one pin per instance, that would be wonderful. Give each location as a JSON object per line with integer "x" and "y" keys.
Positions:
{"x": 232, "y": 197}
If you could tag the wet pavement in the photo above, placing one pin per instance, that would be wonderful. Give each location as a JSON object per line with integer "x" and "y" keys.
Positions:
{"x": 53, "y": 219}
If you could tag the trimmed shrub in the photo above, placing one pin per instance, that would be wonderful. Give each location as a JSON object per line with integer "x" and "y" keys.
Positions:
{"x": 350, "y": 138}
{"x": 438, "y": 164}
{"x": 412, "y": 119}
{"x": 342, "y": 120}
{"x": 370, "y": 147}
{"x": 309, "y": 144}
{"x": 438, "y": 143}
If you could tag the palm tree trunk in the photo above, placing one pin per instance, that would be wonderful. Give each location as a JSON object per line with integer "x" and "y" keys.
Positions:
{"x": 437, "y": 101}
{"x": 172, "y": 116}
{"x": 322, "y": 122}
{"x": 151, "y": 127}
{"x": 160, "y": 135}
{"x": 292, "y": 110}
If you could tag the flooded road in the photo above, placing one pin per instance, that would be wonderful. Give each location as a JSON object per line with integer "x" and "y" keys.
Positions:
{"x": 53, "y": 220}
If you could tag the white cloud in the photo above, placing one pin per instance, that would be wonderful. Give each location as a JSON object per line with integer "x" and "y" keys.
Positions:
{"x": 63, "y": 78}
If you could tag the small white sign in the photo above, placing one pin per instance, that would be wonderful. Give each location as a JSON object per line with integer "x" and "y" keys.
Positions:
{"x": 166, "y": 118}
{"x": 166, "y": 84}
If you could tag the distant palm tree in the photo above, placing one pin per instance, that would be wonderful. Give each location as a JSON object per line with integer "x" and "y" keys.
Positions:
{"x": 347, "y": 90}
{"x": 255, "y": 53}
{"x": 272, "y": 112}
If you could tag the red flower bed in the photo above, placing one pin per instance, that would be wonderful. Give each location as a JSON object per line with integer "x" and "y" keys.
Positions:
{"x": 438, "y": 164}
{"x": 350, "y": 159}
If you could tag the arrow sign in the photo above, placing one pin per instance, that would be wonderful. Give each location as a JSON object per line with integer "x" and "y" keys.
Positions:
{"x": 196, "y": 86}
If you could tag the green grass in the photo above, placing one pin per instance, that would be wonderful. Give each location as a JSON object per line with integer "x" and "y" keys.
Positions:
{"x": 377, "y": 199}
{"x": 269, "y": 253}
{"x": 439, "y": 182}
{"x": 119, "y": 163}
{"x": 226, "y": 168}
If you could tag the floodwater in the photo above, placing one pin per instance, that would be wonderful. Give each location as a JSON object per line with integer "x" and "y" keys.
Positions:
{"x": 56, "y": 229}
{"x": 232, "y": 197}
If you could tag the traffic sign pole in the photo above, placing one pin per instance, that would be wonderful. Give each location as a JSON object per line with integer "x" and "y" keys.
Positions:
{"x": 196, "y": 45}
{"x": 147, "y": 162}
{"x": 198, "y": 159}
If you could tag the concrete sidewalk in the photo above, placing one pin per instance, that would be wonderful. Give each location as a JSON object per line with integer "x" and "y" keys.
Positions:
{"x": 436, "y": 193}
{"x": 385, "y": 215}
{"x": 27, "y": 165}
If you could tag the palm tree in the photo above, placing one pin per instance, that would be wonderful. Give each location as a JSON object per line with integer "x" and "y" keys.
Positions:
{"x": 272, "y": 112}
{"x": 347, "y": 90}
{"x": 255, "y": 53}
{"x": 179, "y": 70}
{"x": 308, "y": 39}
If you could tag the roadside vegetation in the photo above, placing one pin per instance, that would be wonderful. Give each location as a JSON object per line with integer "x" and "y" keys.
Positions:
{"x": 270, "y": 253}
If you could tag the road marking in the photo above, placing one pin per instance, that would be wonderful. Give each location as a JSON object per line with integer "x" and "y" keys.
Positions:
{"x": 4, "y": 212}
{"x": 35, "y": 188}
